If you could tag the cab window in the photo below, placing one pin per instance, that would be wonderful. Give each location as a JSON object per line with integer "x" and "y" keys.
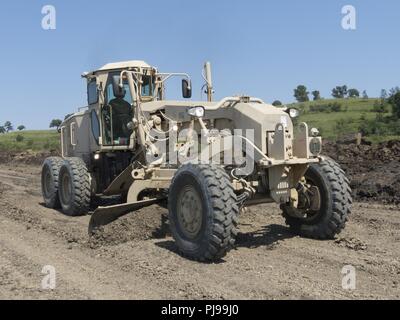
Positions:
{"x": 95, "y": 125}
{"x": 110, "y": 92}
{"x": 92, "y": 93}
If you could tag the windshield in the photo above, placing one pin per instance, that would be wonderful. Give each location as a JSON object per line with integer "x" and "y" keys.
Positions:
{"x": 110, "y": 92}
{"x": 146, "y": 90}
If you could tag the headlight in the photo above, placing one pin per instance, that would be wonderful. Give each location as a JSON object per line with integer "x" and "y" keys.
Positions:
{"x": 197, "y": 112}
{"x": 293, "y": 113}
{"x": 315, "y": 146}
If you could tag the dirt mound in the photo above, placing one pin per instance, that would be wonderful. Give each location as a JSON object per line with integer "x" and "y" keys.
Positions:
{"x": 352, "y": 244}
{"x": 145, "y": 224}
{"x": 374, "y": 170}
{"x": 26, "y": 157}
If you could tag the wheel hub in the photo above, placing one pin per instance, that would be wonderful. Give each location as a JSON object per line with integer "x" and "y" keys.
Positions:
{"x": 309, "y": 201}
{"x": 190, "y": 211}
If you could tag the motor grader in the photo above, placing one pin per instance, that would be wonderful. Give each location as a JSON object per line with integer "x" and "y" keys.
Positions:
{"x": 206, "y": 161}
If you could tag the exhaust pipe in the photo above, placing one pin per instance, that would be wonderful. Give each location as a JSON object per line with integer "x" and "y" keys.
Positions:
{"x": 207, "y": 75}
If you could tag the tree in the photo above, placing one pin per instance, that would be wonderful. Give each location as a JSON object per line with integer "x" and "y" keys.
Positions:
{"x": 68, "y": 115}
{"x": 353, "y": 93}
{"x": 301, "y": 93}
{"x": 21, "y": 127}
{"x": 276, "y": 103}
{"x": 8, "y": 126}
{"x": 365, "y": 95}
{"x": 384, "y": 94}
{"x": 55, "y": 123}
{"x": 394, "y": 100}
{"x": 2, "y": 129}
{"x": 19, "y": 138}
{"x": 393, "y": 91}
{"x": 316, "y": 95}
{"x": 339, "y": 92}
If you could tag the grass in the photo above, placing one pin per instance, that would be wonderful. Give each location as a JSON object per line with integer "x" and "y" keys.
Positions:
{"x": 39, "y": 140}
{"x": 332, "y": 125}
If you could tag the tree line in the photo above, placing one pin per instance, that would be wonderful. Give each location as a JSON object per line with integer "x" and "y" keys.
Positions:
{"x": 302, "y": 94}
{"x": 8, "y": 127}
{"x": 339, "y": 92}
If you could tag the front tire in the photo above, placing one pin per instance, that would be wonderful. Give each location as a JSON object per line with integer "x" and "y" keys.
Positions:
{"x": 49, "y": 180}
{"x": 203, "y": 212}
{"x": 335, "y": 203}
{"x": 74, "y": 187}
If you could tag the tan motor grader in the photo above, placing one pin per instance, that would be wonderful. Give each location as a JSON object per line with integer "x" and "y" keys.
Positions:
{"x": 132, "y": 142}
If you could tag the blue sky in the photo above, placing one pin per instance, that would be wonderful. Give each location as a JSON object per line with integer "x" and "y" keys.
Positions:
{"x": 261, "y": 48}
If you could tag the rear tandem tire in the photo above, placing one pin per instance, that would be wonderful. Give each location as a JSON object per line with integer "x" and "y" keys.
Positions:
{"x": 50, "y": 171}
{"x": 336, "y": 200}
{"x": 203, "y": 212}
{"x": 74, "y": 187}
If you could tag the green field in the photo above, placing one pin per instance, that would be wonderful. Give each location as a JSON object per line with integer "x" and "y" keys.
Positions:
{"x": 40, "y": 140}
{"x": 333, "y": 125}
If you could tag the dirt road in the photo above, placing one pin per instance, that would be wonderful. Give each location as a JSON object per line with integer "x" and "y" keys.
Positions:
{"x": 135, "y": 258}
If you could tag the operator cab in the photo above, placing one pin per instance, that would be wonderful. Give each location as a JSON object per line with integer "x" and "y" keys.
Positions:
{"x": 112, "y": 99}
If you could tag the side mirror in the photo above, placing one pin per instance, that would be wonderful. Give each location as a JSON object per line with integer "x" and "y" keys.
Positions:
{"x": 117, "y": 90}
{"x": 186, "y": 89}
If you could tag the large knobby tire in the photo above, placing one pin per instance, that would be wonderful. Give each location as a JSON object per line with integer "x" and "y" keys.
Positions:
{"x": 50, "y": 170}
{"x": 335, "y": 202}
{"x": 203, "y": 212}
{"x": 74, "y": 187}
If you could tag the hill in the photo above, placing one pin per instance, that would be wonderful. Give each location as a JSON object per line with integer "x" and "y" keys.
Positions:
{"x": 334, "y": 122}
{"x": 333, "y": 117}
{"x": 38, "y": 140}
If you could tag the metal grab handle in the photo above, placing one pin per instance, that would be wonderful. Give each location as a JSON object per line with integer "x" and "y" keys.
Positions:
{"x": 73, "y": 140}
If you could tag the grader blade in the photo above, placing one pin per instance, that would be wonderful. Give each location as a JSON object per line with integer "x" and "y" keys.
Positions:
{"x": 105, "y": 215}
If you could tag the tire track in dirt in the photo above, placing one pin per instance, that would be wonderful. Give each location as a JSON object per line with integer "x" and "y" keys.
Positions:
{"x": 75, "y": 268}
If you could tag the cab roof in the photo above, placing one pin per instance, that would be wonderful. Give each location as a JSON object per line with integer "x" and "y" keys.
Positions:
{"x": 120, "y": 66}
{"x": 124, "y": 65}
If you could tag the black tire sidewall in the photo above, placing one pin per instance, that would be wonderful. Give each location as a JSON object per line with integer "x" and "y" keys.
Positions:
{"x": 81, "y": 188}
{"x": 198, "y": 245}
{"x": 51, "y": 167}
{"x": 51, "y": 197}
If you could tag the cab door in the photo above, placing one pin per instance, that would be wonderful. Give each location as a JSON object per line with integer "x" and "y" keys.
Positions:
{"x": 116, "y": 113}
